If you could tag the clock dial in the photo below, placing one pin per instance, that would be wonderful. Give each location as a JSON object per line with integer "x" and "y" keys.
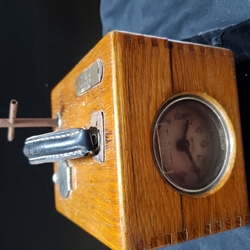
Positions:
{"x": 190, "y": 144}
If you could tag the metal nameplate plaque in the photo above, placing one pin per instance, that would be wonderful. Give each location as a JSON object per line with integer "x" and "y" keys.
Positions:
{"x": 89, "y": 77}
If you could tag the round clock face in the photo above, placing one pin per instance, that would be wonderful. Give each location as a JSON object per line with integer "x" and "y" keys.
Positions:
{"x": 190, "y": 144}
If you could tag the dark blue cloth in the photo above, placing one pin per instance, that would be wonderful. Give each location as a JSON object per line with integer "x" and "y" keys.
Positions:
{"x": 180, "y": 20}
{"x": 237, "y": 239}
{"x": 172, "y": 19}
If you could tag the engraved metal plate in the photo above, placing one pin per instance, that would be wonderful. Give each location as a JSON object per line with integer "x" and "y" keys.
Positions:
{"x": 89, "y": 77}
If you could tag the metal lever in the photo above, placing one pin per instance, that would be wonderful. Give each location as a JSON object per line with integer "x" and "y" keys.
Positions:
{"x": 12, "y": 122}
{"x": 61, "y": 145}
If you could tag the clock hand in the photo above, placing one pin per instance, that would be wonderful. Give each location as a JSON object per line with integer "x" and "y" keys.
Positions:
{"x": 183, "y": 145}
{"x": 190, "y": 157}
{"x": 186, "y": 129}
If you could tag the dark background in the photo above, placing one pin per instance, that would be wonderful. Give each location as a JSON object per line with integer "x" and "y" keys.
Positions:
{"x": 40, "y": 42}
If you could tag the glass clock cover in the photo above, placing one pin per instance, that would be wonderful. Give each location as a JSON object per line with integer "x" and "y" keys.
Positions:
{"x": 190, "y": 144}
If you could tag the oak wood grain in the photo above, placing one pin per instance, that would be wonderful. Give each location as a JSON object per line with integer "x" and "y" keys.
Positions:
{"x": 143, "y": 82}
{"x": 124, "y": 201}
{"x": 94, "y": 203}
{"x": 211, "y": 71}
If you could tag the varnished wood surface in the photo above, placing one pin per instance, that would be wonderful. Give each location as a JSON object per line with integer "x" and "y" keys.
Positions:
{"x": 94, "y": 203}
{"x": 124, "y": 201}
{"x": 211, "y": 71}
{"x": 152, "y": 209}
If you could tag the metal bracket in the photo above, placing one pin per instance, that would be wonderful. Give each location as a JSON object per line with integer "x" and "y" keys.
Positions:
{"x": 97, "y": 121}
{"x": 63, "y": 178}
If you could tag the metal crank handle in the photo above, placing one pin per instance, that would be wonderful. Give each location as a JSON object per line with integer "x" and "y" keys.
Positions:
{"x": 12, "y": 122}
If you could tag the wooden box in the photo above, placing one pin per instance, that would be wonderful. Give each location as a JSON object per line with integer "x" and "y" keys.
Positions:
{"x": 124, "y": 202}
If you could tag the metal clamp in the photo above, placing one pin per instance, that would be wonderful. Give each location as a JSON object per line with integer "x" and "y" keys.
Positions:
{"x": 63, "y": 178}
{"x": 97, "y": 121}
